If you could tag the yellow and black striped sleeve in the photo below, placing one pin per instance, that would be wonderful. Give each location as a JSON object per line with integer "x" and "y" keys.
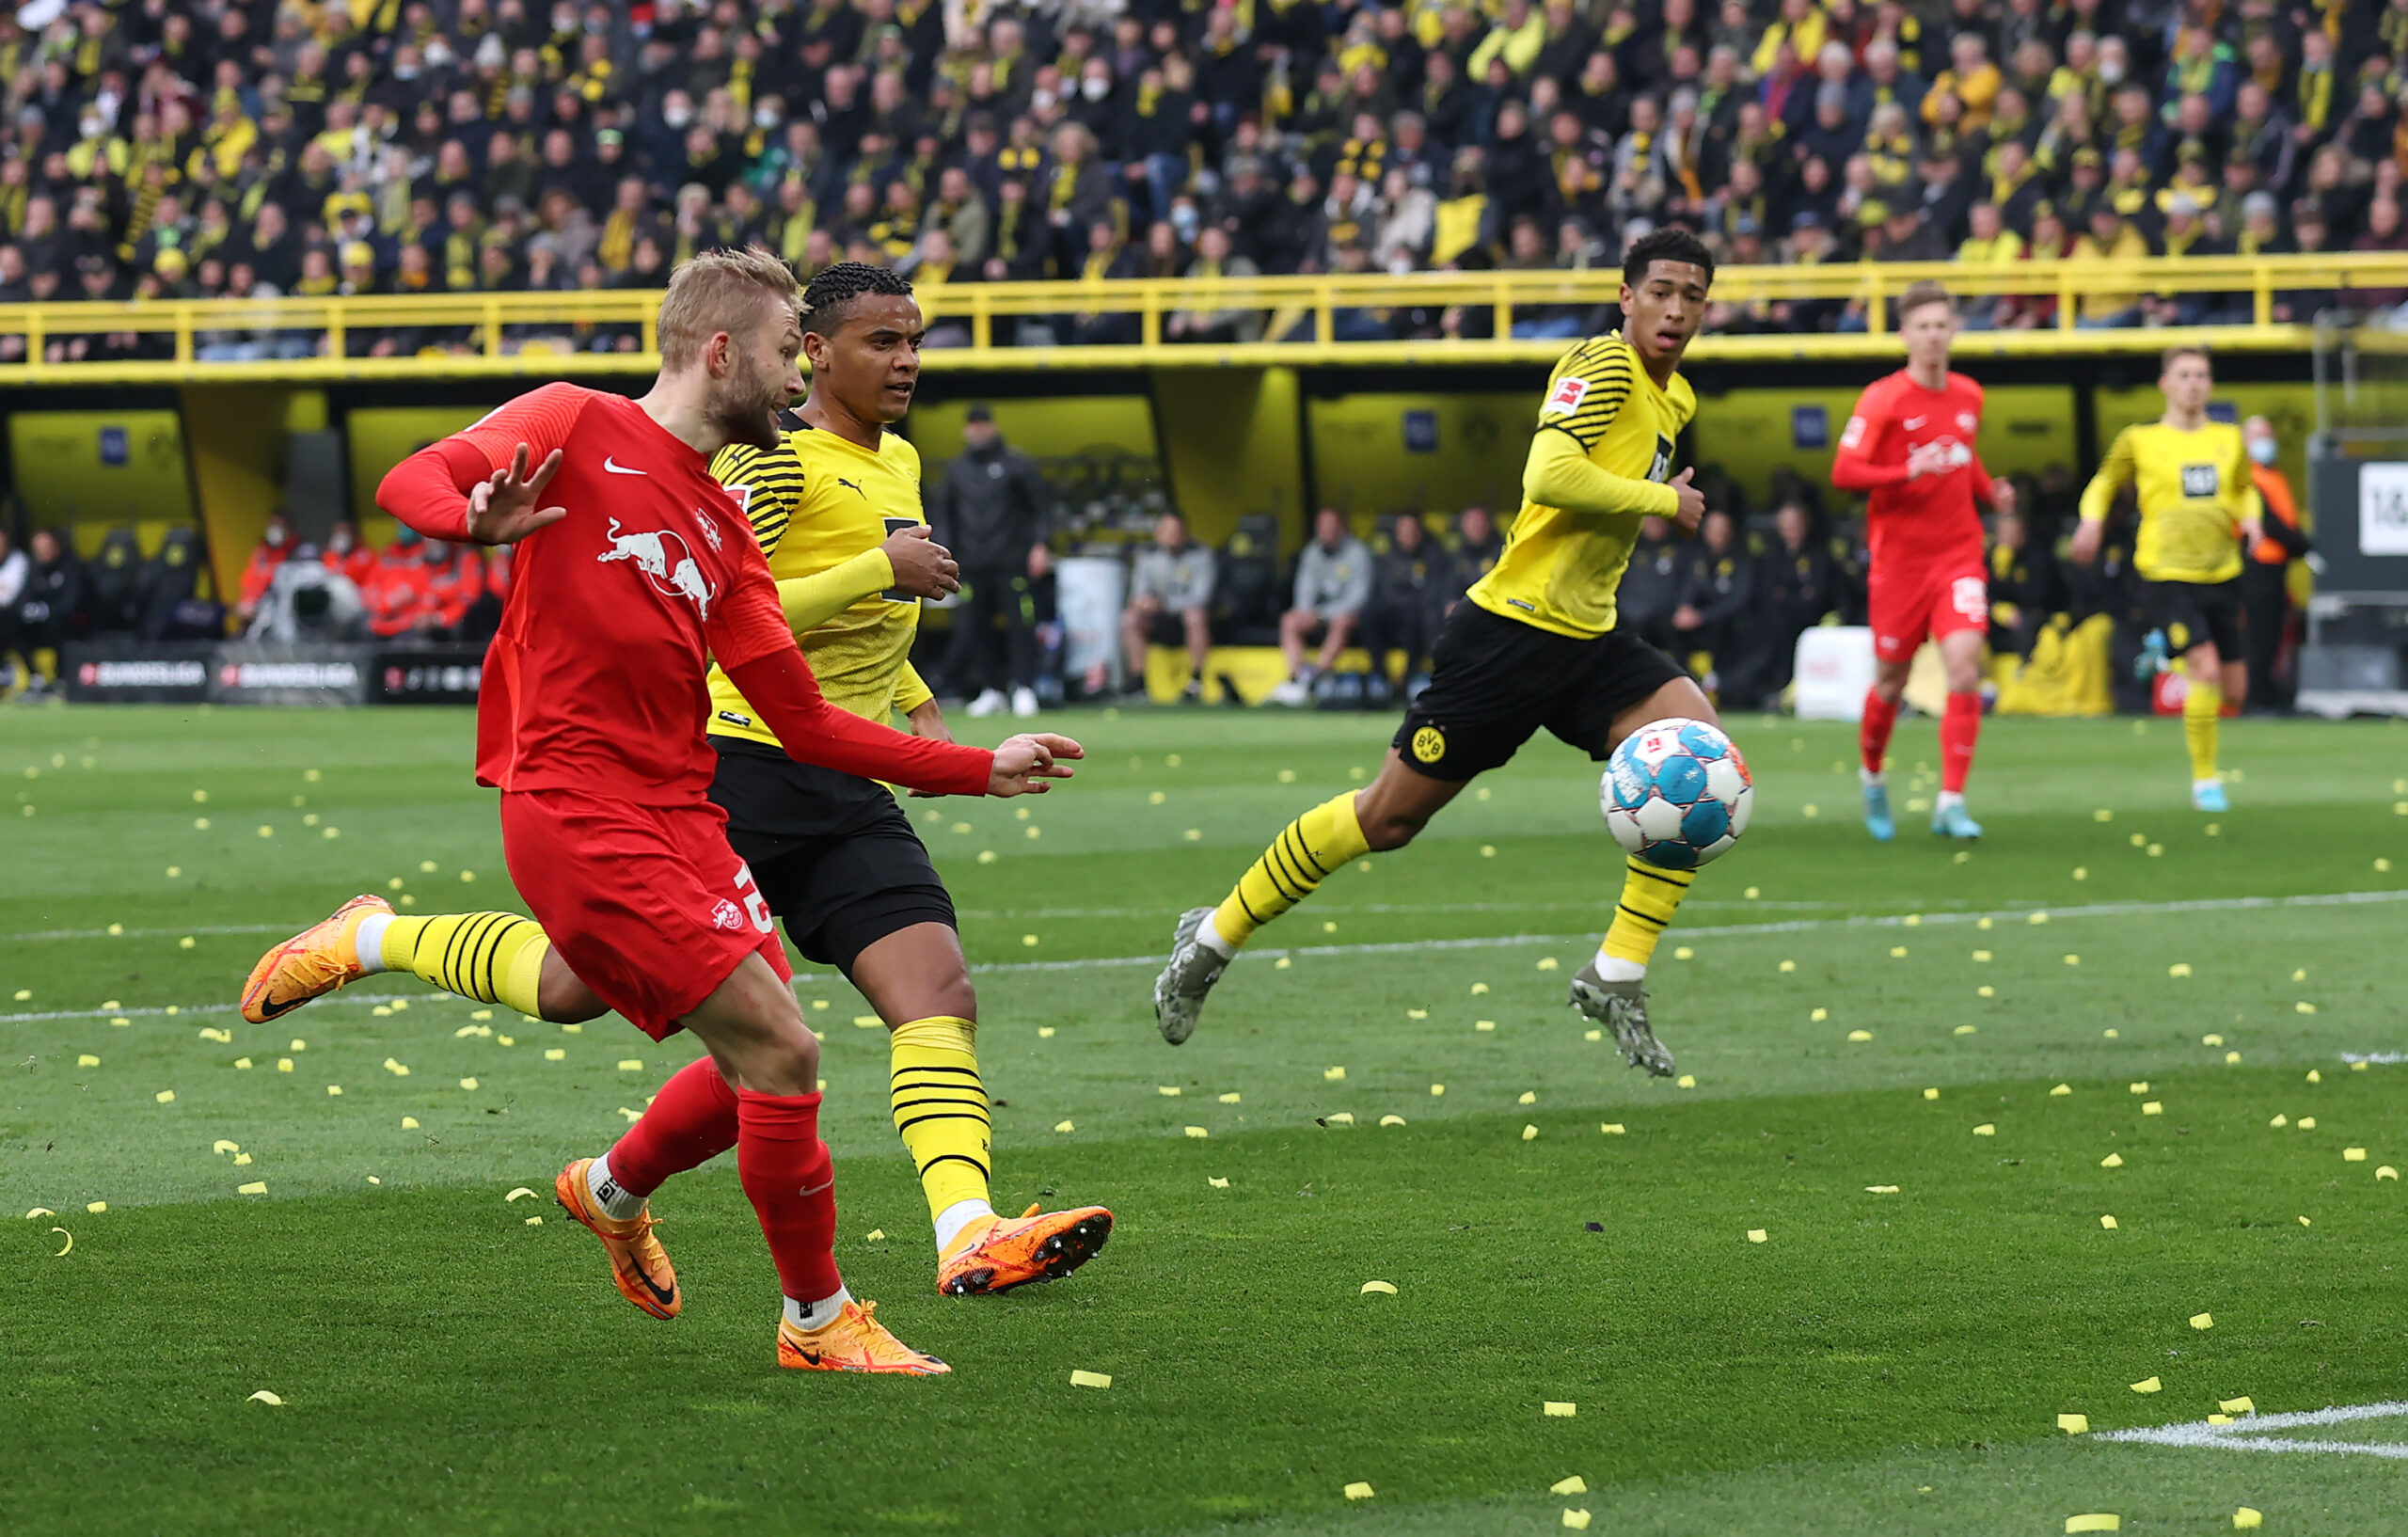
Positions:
{"x": 1588, "y": 389}
{"x": 766, "y": 483}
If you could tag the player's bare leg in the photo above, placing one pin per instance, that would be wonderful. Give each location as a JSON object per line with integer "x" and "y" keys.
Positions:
{"x": 2208, "y": 676}
{"x": 1872, "y": 741}
{"x": 919, "y": 983}
{"x": 1611, "y": 986}
{"x": 1387, "y": 814}
{"x": 1960, "y": 656}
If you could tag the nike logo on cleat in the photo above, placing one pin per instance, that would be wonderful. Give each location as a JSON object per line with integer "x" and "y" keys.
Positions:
{"x": 810, "y": 1357}
{"x": 617, "y": 469}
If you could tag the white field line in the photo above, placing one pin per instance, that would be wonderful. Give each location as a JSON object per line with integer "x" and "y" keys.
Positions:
{"x": 1499, "y": 941}
{"x": 2244, "y": 1434}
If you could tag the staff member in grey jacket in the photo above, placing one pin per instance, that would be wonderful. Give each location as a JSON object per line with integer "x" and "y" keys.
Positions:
{"x": 1170, "y": 602}
{"x": 1333, "y": 581}
{"x": 988, "y": 509}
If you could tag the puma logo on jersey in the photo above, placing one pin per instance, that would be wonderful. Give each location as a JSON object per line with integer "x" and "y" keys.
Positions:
{"x": 853, "y": 486}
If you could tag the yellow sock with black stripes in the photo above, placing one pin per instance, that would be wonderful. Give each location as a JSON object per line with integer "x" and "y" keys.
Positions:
{"x": 940, "y": 1110}
{"x": 1307, "y": 851}
{"x": 2202, "y": 724}
{"x": 1651, "y": 896}
{"x": 495, "y": 958}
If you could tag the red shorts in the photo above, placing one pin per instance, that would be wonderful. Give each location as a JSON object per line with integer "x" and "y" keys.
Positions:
{"x": 1911, "y": 602}
{"x": 649, "y": 907}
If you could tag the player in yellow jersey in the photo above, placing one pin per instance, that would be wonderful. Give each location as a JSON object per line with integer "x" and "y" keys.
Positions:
{"x": 836, "y": 509}
{"x": 2199, "y": 510}
{"x": 1535, "y": 646}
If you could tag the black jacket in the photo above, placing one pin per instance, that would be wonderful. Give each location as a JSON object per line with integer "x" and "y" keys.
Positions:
{"x": 990, "y": 506}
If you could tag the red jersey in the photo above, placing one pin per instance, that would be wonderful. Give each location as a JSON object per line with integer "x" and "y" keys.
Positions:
{"x": 595, "y": 680}
{"x": 1928, "y": 520}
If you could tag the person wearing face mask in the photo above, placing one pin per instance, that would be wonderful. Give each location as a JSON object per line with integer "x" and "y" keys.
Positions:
{"x": 274, "y": 545}
{"x": 400, "y": 591}
{"x": 344, "y": 553}
{"x": 2265, "y": 584}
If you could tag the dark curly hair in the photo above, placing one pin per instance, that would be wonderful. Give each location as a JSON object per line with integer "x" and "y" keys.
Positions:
{"x": 1669, "y": 243}
{"x": 833, "y": 293}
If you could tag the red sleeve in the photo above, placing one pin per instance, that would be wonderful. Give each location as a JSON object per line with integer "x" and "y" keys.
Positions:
{"x": 1851, "y": 471}
{"x": 429, "y": 490}
{"x": 541, "y": 419}
{"x": 1981, "y": 482}
{"x": 757, "y": 650}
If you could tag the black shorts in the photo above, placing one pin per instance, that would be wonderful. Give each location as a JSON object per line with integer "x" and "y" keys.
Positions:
{"x": 833, "y": 854}
{"x": 1493, "y": 681}
{"x": 1166, "y": 627}
{"x": 2192, "y": 611}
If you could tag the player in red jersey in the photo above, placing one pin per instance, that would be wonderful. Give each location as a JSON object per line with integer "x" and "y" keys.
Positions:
{"x": 634, "y": 567}
{"x": 1909, "y": 447}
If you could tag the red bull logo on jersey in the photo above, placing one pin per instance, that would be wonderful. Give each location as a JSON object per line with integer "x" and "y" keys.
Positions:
{"x": 666, "y": 561}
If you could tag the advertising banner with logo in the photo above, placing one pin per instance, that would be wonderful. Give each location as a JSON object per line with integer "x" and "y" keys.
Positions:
{"x": 245, "y": 674}
{"x": 137, "y": 671}
{"x": 427, "y": 676}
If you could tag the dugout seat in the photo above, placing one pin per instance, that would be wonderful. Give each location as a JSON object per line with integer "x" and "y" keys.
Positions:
{"x": 1248, "y": 597}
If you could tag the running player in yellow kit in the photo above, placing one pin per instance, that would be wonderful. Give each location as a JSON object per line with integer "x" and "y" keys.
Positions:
{"x": 1535, "y": 646}
{"x": 2199, "y": 510}
{"x": 836, "y": 509}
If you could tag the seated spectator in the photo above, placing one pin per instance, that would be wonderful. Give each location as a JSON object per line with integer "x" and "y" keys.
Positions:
{"x": 49, "y": 613}
{"x": 1652, "y": 584}
{"x": 1333, "y": 581}
{"x": 1408, "y": 593}
{"x": 2023, "y": 588}
{"x": 1717, "y": 587}
{"x": 1478, "y": 545}
{"x": 400, "y": 589}
{"x": 1170, "y": 603}
{"x": 1214, "y": 260}
{"x": 455, "y": 579}
{"x": 309, "y": 599}
{"x": 1801, "y": 583}
{"x": 274, "y": 545}
{"x": 346, "y": 554}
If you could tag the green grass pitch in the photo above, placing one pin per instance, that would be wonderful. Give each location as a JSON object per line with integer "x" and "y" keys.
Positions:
{"x": 1881, "y": 1362}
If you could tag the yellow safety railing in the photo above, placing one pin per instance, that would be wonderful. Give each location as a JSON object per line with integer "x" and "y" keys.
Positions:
{"x": 549, "y": 334}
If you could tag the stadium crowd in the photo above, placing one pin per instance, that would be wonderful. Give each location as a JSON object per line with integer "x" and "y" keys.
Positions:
{"x": 256, "y": 148}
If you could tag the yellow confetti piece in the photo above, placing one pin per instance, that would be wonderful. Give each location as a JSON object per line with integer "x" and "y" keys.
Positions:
{"x": 1576, "y": 1520}
{"x": 2245, "y": 1518}
{"x": 1353, "y": 1491}
{"x": 1753, "y": 893}
{"x": 2181, "y": 968}
{"x": 2203, "y": 1322}
{"x": 1981, "y": 955}
{"x": 2303, "y": 1006}
{"x": 2080, "y": 873}
{"x": 2149, "y": 1384}
{"x": 1880, "y": 1190}
{"x": 1103, "y": 1379}
{"x": 1983, "y": 923}
{"x": 2137, "y": 839}
{"x": 1682, "y": 952}
{"x": 866, "y": 1022}
{"x": 1283, "y": 963}
{"x": 555, "y": 1054}
{"x": 1483, "y": 1025}
{"x": 986, "y": 856}
{"x": 1478, "y": 989}
{"x": 1437, "y": 1089}
{"x": 1931, "y": 1093}
{"x": 222, "y": 1145}
{"x": 299, "y": 1045}
{"x": 2074, "y": 1424}
{"x": 1986, "y": 1129}
{"x": 1530, "y": 1133}
{"x": 519, "y": 1194}
{"x": 1529, "y": 1096}
{"x": 1384, "y": 1289}
{"x": 2140, "y": 1088}
{"x": 2102, "y": 815}
{"x": 2314, "y": 1076}
{"x": 201, "y": 824}
{"x": 2112, "y": 1161}
{"x": 1028, "y": 939}
{"x": 2073, "y": 960}
{"x": 873, "y": 1235}
{"x": 1789, "y": 966}
{"x": 1819, "y": 1015}
{"x": 2061, "y": 1090}
{"x": 2304, "y": 1222}
{"x": 534, "y": 1221}
{"x": 40, "y": 1212}
{"x": 1593, "y": 1035}
{"x": 1557, "y": 1409}
{"x": 1065, "y": 1126}
{"x": 1611, "y": 1128}
{"x": 1045, "y": 1032}
{"x": 380, "y": 1011}
{"x": 1576, "y": 1484}
{"x": 1985, "y": 990}
{"x": 256, "y": 1187}
{"x": 2353, "y": 1155}
{"x": 631, "y": 1116}
{"x": 1333, "y": 1074}
{"x": 1549, "y": 963}
{"x": 96, "y": 1207}
{"x": 2108, "y": 1222}
{"x": 1391, "y": 1121}
{"x": 1340, "y": 1118}
{"x": 1168, "y": 1091}
{"x": 335, "y": 1090}
{"x": 2242, "y": 1405}
{"x": 1687, "y": 1080}
{"x": 1329, "y": 925}
{"x": 399, "y": 1069}
{"x": 2387, "y": 1172}
{"x": 264, "y": 1396}
{"x": 1194, "y": 834}
{"x": 1416, "y": 1013}
{"x": 2359, "y": 1067}
{"x": 627, "y": 1063}
{"x": 1897, "y": 952}
{"x": 1757, "y": 1235}
{"x": 2037, "y": 918}
{"x": 2101, "y": 1522}
{"x": 88, "y": 1060}
{"x": 1198, "y": 1131}
{"x": 1488, "y": 850}
{"x": 165, "y": 1096}
{"x": 1216, "y": 1181}
{"x": 578, "y": 1029}
{"x": 70, "y": 1245}
{"x": 467, "y": 1082}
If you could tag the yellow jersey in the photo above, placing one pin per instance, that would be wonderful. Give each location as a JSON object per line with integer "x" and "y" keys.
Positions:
{"x": 2195, "y": 490}
{"x": 817, "y": 500}
{"x": 1559, "y": 568}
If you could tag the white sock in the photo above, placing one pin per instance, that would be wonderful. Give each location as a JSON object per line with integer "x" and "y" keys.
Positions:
{"x": 817, "y": 1315}
{"x": 1872, "y": 778}
{"x": 617, "y": 1201}
{"x": 368, "y": 940}
{"x": 1615, "y": 968}
{"x": 1208, "y": 935}
{"x": 1947, "y": 798}
{"x": 956, "y": 1217}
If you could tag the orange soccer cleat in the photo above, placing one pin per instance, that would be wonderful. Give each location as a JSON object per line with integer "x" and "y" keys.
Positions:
{"x": 1040, "y": 1246}
{"x": 853, "y": 1341}
{"x": 310, "y": 964}
{"x": 638, "y": 1262}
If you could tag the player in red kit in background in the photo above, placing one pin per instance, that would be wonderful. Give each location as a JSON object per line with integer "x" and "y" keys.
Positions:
{"x": 635, "y": 568}
{"x": 1909, "y": 447}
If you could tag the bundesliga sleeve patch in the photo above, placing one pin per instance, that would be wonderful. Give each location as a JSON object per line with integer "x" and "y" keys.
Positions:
{"x": 1565, "y": 398}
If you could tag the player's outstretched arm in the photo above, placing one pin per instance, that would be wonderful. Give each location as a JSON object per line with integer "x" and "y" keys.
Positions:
{"x": 1560, "y": 473}
{"x": 1022, "y": 764}
{"x": 780, "y": 687}
{"x": 2098, "y": 498}
{"x": 484, "y": 484}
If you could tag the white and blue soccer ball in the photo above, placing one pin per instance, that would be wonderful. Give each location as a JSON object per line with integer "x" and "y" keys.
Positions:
{"x": 1676, "y": 793}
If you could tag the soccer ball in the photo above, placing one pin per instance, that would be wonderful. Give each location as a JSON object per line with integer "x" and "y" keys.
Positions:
{"x": 1676, "y": 793}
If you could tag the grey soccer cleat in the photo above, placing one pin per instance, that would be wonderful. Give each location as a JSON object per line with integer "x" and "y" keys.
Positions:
{"x": 1621, "y": 1008}
{"x": 1187, "y": 976}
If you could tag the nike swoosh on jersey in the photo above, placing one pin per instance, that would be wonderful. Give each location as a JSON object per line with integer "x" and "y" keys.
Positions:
{"x": 616, "y": 468}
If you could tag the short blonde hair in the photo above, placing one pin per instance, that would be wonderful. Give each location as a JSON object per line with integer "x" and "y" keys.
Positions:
{"x": 720, "y": 290}
{"x": 1920, "y": 294}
